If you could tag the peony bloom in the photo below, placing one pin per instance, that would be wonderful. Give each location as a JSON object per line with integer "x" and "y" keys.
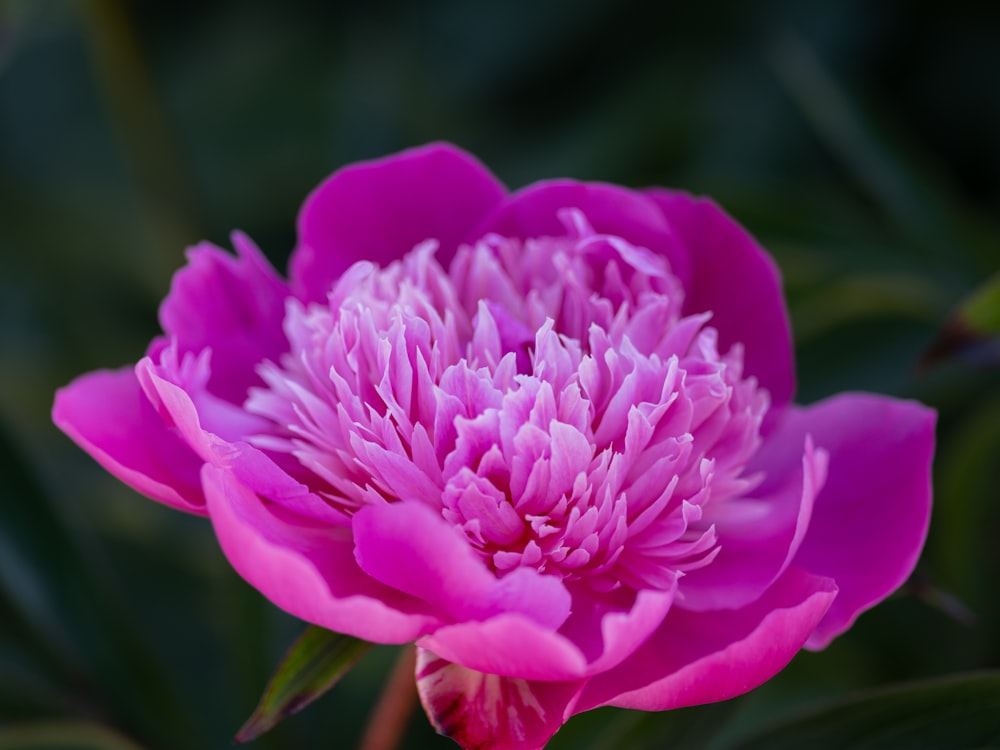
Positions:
{"x": 547, "y": 435}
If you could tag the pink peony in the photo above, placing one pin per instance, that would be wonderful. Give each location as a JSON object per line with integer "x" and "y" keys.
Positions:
{"x": 545, "y": 435}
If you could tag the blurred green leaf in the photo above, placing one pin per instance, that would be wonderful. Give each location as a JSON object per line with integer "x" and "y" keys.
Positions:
{"x": 869, "y": 157}
{"x": 313, "y": 665}
{"x": 65, "y": 621}
{"x": 63, "y": 735}
{"x": 864, "y": 296}
{"x": 964, "y": 553}
{"x": 956, "y": 713}
{"x": 972, "y": 335}
{"x": 982, "y": 309}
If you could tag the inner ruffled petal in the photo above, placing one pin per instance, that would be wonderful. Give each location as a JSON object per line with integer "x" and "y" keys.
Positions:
{"x": 543, "y": 397}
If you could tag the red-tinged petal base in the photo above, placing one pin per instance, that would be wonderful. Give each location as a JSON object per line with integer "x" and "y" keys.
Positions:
{"x": 486, "y": 712}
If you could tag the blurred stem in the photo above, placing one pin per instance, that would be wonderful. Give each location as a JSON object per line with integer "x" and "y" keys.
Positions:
{"x": 387, "y": 723}
{"x": 135, "y": 112}
{"x": 838, "y": 122}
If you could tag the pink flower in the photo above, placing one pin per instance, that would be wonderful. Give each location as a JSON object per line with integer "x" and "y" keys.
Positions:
{"x": 547, "y": 436}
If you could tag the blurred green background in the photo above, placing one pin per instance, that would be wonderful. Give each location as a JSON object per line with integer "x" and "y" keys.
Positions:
{"x": 860, "y": 141}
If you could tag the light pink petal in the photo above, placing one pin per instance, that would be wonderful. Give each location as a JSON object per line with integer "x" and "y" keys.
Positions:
{"x": 214, "y": 429}
{"x": 487, "y": 711}
{"x": 175, "y": 405}
{"x": 870, "y": 520}
{"x": 702, "y": 657}
{"x": 307, "y": 568}
{"x": 378, "y": 210}
{"x": 412, "y": 548}
{"x": 534, "y": 212}
{"x": 759, "y": 535}
{"x": 511, "y": 645}
{"x": 233, "y": 305}
{"x": 108, "y": 415}
{"x": 735, "y": 279}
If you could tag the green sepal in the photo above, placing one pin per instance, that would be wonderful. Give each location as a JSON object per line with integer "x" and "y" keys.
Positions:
{"x": 313, "y": 665}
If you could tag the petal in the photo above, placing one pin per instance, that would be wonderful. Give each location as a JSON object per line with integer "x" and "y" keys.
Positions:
{"x": 597, "y": 636}
{"x": 534, "y": 212}
{"x": 307, "y": 568}
{"x": 379, "y": 210}
{"x": 759, "y": 535}
{"x": 702, "y": 657}
{"x": 214, "y": 429}
{"x": 510, "y": 645}
{"x": 231, "y": 305}
{"x": 108, "y": 415}
{"x": 735, "y": 279}
{"x": 412, "y": 548}
{"x": 870, "y": 520}
{"x": 176, "y": 397}
{"x": 480, "y": 710}
{"x": 607, "y": 632}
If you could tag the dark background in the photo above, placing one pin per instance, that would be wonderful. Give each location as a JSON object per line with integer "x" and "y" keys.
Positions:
{"x": 860, "y": 141}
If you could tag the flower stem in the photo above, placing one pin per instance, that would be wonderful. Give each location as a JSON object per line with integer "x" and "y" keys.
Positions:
{"x": 391, "y": 714}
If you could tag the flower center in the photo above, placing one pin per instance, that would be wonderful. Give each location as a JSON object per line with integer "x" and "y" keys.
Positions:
{"x": 546, "y": 397}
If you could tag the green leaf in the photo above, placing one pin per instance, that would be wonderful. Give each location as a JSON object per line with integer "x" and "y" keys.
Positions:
{"x": 63, "y": 735}
{"x": 959, "y": 713}
{"x": 972, "y": 334}
{"x": 982, "y": 309}
{"x": 313, "y": 665}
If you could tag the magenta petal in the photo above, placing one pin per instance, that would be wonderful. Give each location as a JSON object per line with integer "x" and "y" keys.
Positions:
{"x": 534, "y": 212}
{"x": 379, "y": 210}
{"x": 232, "y": 305}
{"x": 759, "y": 535}
{"x": 594, "y": 639}
{"x": 606, "y": 634}
{"x": 734, "y": 278}
{"x": 510, "y": 645}
{"x": 486, "y": 711}
{"x": 412, "y": 548}
{"x": 108, "y": 415}
{"x": 702, "y": 657}
{"x": 175, "y": 406}
{"x": 870, "y": 520}
{"x": 214, "y": 429}
{"x": 307, "y": 568}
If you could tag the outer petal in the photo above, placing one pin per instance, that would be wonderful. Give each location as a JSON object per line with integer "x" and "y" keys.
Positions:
{"x": 108, "y": 415}
{"x": 486, "y": 711}
{"x": 702, "y": 657}
{"x": 534, "y": 212}
{"x": 379, "y": 210}
{"x": 510, "y": 645}
{"x": 215, "y": 429}
{"x": 595, "y": 638}
{"x": 870, "y": 520}
{"x": 231, "y": 305}
{"x": 307, "y": 568}
{"x": 412, "y": 548}
{"x": 734, "y": 278}
{"x": 759, "y": 535}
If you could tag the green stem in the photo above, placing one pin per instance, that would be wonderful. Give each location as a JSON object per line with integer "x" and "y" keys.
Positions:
{"x": 387, "y": 723}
